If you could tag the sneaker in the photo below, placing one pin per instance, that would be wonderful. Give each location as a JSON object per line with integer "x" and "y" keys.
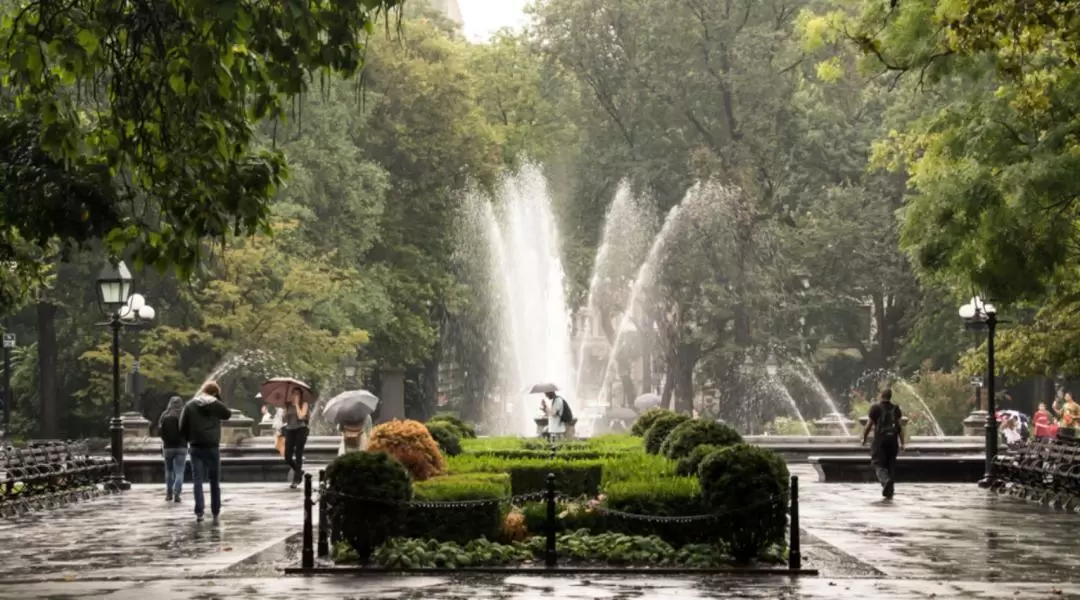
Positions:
{"x": 198, "y": 518}
{"x": 887, "y": 491}
{"x": 176, "y": 499}
{"x": 168, "y": 497}
{"x": 216, "y": 520}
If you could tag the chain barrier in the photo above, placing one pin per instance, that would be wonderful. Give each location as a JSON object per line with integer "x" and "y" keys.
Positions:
{"x": 331, "y": 495}
{"x": 775, "y": 500}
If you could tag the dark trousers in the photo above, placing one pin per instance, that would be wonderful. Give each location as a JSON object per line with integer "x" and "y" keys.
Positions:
{"x": 295, "y": 440}
{"x": 884, "y": 461}
{"x": 206, "y": 466}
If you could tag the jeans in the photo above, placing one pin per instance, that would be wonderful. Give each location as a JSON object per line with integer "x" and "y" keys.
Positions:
{"x": 884, "y": 461}
{"x": 174, "y": 469}
{"x": 206, "y": 465}
{"x": 295, "y": 439}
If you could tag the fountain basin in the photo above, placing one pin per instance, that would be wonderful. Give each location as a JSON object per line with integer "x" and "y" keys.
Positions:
{"x": 909, "y": 469}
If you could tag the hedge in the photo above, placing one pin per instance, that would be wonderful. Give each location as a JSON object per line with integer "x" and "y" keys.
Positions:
{"x": 574, "y": 478}
{"x": 668, "y": 497}
{"x": 459, "y": 523}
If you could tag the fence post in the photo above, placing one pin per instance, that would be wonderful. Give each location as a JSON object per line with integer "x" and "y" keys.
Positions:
{"x": 324, "y": 545}
{"x": 551, "y": 557}
{"x": 794, "y": 552}
{"x": 307, "y": 555}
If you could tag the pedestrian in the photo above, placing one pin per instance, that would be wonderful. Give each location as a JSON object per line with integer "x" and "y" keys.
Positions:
{"x": 885, "y": 421}
{"x": 200, "y": 424}
{"x": 354, "y": 438}
{"x": 560, "y": 417}
{"x": 173, "y": 448}
{"x": 296, "y": 434}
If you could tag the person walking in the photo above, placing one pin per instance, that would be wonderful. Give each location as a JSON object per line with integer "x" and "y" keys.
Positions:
{"x": 885, "y": 421}
{"x": 173, "y": 448}
{"x": 200, "y": 424}
{"x": 296, "y": 434}
{"x": 559, "y": 415}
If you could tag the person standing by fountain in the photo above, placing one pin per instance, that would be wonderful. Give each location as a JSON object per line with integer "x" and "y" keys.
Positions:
{"x": 200, "y": 424}
{"x": 885, "y": 421}
{"x": 559, "y": 415}
{"x": 296, "y": 434}
{"x": 173, "y": 448}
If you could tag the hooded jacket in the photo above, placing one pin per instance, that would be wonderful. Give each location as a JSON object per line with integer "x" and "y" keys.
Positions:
{"x": 200, "y": 422}
{"x": 169, "y": 425}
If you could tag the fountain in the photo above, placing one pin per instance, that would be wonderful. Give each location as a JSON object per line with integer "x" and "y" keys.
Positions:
{"x": 536, "y": 322}
{"x": 884, "y": 376}
{"x": 834, "y": 422}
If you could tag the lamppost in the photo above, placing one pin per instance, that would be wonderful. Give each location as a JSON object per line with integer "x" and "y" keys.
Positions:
{"x": 114, "y": 288}
{"x": 136, "y": 314}
{"x": 977, "y": 314}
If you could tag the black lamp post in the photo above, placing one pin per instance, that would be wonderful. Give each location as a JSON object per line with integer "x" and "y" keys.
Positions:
{"x": 114, "y": 289}
{"x": 977, "y": 314}
{"x": 137, "y": 314}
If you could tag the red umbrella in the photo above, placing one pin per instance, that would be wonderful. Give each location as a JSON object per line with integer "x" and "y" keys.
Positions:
{"x": 276, "y": 391}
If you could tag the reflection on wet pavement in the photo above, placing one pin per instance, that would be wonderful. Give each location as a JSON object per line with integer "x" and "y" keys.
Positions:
{"x": 933, "y": 541}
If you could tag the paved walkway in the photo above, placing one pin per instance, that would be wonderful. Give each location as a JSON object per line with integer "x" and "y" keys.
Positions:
{"x": 932, "y": 541}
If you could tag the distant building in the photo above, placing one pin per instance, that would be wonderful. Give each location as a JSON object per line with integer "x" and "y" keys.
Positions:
{"x": 449, "y": 8}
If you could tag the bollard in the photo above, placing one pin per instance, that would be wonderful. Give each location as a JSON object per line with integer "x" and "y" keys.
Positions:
{"x": 794, "y": 552}
{"x": 553, "y": 450}
{"x": 323, "y": 543}
{"x": 551, "y": 557}
{"x": 307, "y": 556}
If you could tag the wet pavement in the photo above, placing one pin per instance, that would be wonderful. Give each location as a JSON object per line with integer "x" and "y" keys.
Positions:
{"x": 932, "y": 541}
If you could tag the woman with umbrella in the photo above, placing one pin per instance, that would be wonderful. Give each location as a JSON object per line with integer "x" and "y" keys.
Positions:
{"x": 351, "y": 411}
{"x": 296, "y": 433}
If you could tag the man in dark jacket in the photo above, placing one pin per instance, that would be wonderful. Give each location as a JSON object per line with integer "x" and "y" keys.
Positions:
{"x": 200, "y": 424}
{"x": 885, "y": 420}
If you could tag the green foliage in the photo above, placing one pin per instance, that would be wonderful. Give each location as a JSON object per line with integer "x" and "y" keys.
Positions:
{"x": 574, "y": 478}
{"x": 667, "y": 497}
{"x": 580, "y": 547}
{"x": 660, "y": 429}
{"x": 688, "y": 465}
{"x": 646, "y": 419}
{"x": 749, "y": 486}
{"x": 632, "y": 467}
{"x": 171, "y": 107}
{"x": 446, "y": 436}
{"x": 789, "y": 426}
{"x": 368, "y": 495}
{"x": 461, "y": 428}
{"x": 690, "y": 434}
{"x": 463, "y": 523}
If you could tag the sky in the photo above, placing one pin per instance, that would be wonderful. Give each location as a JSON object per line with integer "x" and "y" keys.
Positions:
{"x": 484, "y": 17}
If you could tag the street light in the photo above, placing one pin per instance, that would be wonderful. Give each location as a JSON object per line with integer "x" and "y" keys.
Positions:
{"x": 137, "y": 314}
{"x": 977, "y": 314}
{"x": 114, "y": 288}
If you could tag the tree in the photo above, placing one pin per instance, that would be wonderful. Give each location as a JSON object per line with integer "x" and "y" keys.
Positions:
{"x": 162, "y": 97}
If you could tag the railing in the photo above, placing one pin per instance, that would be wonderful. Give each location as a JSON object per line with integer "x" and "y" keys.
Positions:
{"x": 316, "y": 539}
{"x": 49, "y": 474}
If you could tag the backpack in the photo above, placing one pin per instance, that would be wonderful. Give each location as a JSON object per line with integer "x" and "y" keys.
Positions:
{"x": 888, "y": 426}
{"x": 567, "y": 415}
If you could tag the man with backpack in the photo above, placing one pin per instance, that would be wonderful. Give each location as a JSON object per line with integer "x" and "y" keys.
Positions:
{"x": 560, "y": 417}
{"x": 885, "y": 421}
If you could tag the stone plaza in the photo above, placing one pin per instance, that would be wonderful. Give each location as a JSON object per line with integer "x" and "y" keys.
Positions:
{"x": 933, "y": 541}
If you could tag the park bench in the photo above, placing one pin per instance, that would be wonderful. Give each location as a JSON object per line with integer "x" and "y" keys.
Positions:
{"x": 49, "y": 474}
{"x": 1042, "y": 470}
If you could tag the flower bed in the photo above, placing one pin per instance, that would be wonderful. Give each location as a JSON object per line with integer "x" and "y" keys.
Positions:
{"x": 617, "y": 504}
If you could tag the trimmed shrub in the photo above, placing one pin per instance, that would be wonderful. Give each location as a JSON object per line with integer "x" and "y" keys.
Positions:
{"x": 689, "y": 435}
{"x": 446, "y": 437}
{"x": 514, "y": 528}
{"x": 464, "y": 430}
{"x": 688, "y": 465}
{"x": 412, "y": 445}
{"x": 749, "y": 486}
{"x": 635, "y": 467}
{"x": 645, "y": 421}
{"x": 661, "y": 427}
{"x": 458, "y": 523}
{"x": 369, "y": 492}
{"x": 570, "y": 516}
{"x": 669, "y": 497}
{"x": 575, "y": 478}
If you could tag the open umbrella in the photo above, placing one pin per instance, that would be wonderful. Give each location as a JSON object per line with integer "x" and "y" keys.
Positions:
{"x": 543, "y": 388}
{"x": 351, "y": 407}
{"x": 646, "y": 401}
{"x": 276, "y": 391}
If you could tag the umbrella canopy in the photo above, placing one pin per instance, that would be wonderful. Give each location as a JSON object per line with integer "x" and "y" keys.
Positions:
{"x": 1005, "y": 414}
{"x": 646, "y": 401}
{"x": 543, "y": 388}
{"x": 351, "y": 407}
{"x": 276, "y": 391}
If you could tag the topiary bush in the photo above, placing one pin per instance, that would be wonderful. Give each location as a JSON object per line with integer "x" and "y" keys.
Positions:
{"x": 749, "y": 486}
{"x": 445, "y": 436}
{"x": 458, "y": 523}
{"x": 645, "y": 421}
{"x": 463, "y": 429}
{"x": 412, "y": 445}
{"x": 661, "y": 427}
{"x": 688, "y": 465}
{"x": 369, "y": 492}
{"x": 689, "y": 435}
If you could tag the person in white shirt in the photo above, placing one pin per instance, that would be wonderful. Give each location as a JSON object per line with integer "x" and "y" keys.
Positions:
{"x": 1012, "y": 431}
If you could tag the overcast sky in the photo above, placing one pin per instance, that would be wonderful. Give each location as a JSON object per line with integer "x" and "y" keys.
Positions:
{"x": 484, "y": 17}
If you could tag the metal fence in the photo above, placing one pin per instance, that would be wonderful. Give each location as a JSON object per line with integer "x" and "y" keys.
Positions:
{"x": 49, "y": 474}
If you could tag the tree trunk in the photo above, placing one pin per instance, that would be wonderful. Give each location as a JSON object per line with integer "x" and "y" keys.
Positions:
{"x": 685, "y": 362}
{"x": 46, "y": 326}
{"x": 669, "y": 385}
{"x": 646, "y": 369}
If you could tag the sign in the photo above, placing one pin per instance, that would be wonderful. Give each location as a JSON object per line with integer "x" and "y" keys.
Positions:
{"x": 976, "y": 381}
{"x": 9, "y": 340}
